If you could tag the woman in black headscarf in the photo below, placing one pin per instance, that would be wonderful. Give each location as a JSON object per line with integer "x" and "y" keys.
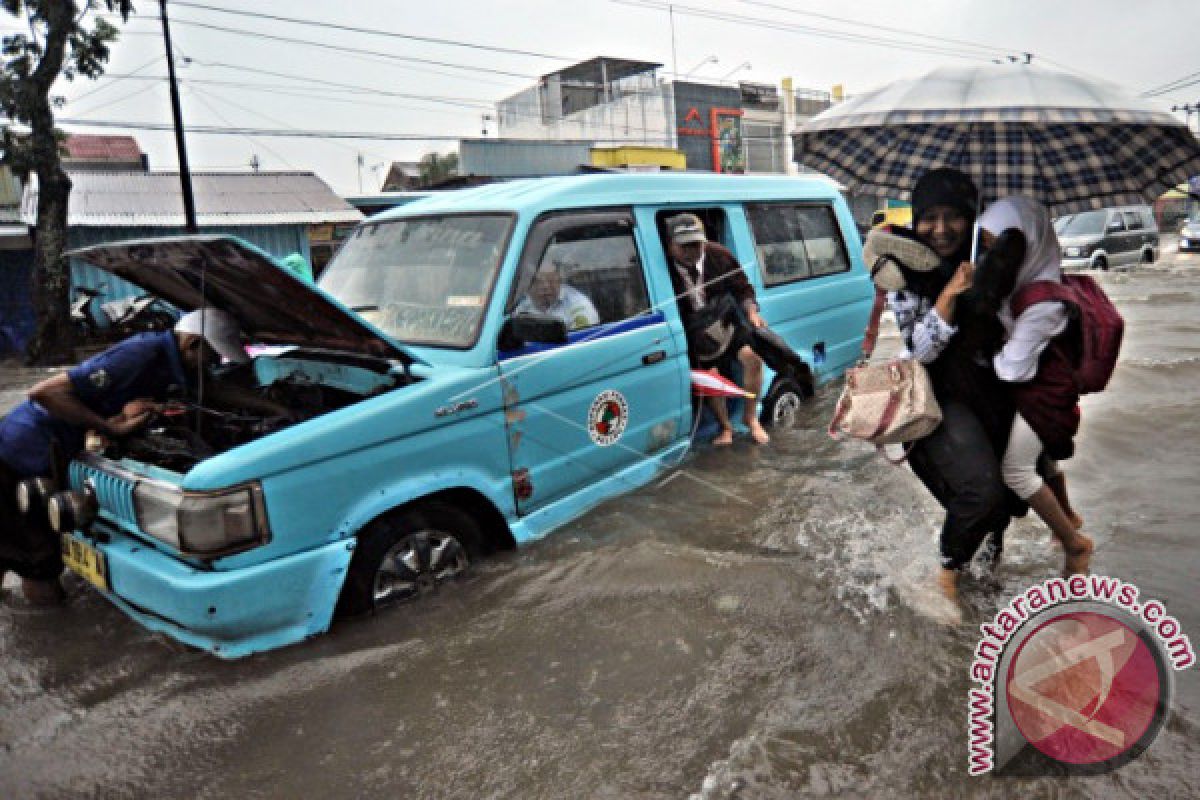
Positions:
{"x": 960, "y": 461}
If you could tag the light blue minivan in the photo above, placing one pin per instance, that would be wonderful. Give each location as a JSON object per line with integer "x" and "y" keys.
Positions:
{"x": 432, "y": 423}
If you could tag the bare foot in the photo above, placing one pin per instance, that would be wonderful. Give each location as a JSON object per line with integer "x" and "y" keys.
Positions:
{"x": 724, "y": 438}
{"x": 947, "y": 581}
{"x": 1078, "y": 557}
{"x": 756, "y": 431}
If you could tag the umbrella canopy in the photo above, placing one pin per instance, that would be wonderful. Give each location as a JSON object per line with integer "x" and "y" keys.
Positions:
{"x": 709, "y": 383}
{"x": 1070, "y": 142}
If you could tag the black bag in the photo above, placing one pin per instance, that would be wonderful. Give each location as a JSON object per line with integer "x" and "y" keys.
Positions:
{"x": 712, "y": 329}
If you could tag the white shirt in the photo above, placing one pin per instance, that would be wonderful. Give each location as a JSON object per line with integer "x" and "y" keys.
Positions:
{"x": 573, "y": 307}
{"x": 1031, "y": 332}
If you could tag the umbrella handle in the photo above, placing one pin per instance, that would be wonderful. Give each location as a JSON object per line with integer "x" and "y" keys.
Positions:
{"x": 975, "y": 240}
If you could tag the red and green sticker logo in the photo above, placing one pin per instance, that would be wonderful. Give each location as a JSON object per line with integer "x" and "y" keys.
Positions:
{"x": 607, "y": 417}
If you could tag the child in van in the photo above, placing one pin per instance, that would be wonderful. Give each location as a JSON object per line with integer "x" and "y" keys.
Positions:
{"x": 1036, "y": 360}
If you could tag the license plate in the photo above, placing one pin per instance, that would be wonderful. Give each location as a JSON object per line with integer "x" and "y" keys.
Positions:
{"x": 86, "y": 561}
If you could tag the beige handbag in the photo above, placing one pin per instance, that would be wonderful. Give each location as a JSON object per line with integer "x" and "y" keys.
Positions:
{"x": 887, "y": 403}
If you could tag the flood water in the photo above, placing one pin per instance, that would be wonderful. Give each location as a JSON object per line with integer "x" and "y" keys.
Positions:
{"x": 674, "y": 642}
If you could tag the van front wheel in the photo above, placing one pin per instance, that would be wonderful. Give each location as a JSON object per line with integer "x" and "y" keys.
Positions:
{"x": 782, "y": 404}
{"x": 407, "y": 554}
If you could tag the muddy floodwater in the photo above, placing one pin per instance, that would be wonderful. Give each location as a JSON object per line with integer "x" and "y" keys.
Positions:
{"x": 674, "y": 642}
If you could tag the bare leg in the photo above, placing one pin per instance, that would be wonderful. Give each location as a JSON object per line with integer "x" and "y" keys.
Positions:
{"x": 721, "y": 412}
{"x": 1058, "y": 485}
{"x": 1077, "y": 546}
{"x": 752, "y": 378}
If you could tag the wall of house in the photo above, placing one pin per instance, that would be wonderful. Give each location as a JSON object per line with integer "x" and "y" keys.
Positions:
{"x": 16, "y": 302}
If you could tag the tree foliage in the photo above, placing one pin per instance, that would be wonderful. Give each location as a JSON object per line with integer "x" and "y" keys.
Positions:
{"x": 62, "y": 40}
{"x": 435, "y": 168}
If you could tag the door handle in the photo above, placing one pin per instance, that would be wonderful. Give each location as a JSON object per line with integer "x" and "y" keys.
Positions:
{"x": 654, "y": 358}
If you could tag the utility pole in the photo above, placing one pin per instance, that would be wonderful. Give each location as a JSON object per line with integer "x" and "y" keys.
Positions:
{"x": 1188, "y": 109}
{"x": 674, "y": 58}
{"x": 185, "y": 174}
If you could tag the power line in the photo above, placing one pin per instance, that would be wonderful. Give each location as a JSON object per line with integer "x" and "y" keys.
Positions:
{"x": 200, "y": 96}
{"x": 785, "y": 27}
{"x": 1170, "y": 86}
{"x": 109, "y": 85}
{"x": 345, "y": 49}
{"x": 313, "y": 134}
{"x": 472, "y": 104}
{"x": 862, "y": 24}
{"x": 373, "y": 32}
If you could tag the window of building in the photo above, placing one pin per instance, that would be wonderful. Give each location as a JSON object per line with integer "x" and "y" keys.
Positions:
{"x": 796, "y": 242}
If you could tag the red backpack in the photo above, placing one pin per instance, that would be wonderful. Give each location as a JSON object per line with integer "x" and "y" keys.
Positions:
{"x": 1100, "y": 326}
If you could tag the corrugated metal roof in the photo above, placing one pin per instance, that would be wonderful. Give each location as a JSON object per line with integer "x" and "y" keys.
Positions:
{"x": 246, "y": 198}
{"x": 99, "y": 147}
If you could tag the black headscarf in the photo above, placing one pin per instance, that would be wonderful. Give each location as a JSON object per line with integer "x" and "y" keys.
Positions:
{"x": 944, "y": 186}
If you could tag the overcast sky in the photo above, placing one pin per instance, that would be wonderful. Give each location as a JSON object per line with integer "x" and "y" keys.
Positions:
{"x": 1141, "y": 44}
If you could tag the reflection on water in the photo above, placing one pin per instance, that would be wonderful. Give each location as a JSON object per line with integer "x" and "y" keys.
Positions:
{"x": 672, "y": 643}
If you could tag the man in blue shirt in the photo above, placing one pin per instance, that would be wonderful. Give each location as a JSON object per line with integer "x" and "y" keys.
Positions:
{"x": 114, "y": 393}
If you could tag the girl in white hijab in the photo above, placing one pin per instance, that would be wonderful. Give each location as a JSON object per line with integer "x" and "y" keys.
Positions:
{"x": 1026, "y": 338}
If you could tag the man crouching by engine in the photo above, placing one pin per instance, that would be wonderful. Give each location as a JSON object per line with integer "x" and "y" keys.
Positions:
{"x": 113, "y": 394}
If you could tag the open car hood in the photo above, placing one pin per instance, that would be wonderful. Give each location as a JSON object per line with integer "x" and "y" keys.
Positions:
{"x": 271, "y": 304}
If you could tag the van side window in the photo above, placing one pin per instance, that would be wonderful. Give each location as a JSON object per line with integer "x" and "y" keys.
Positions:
{"x": 1132, "y": 221}
{"x": 795, "y": 242}
{"x": 1115, "y": 225}
{"x": 583, "y": 268}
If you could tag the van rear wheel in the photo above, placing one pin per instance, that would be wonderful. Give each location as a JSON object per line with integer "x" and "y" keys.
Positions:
{"x": 1101, "y": 263}
{"x": 407, "y": 554}
{"x": 1148, "y": 256}
{"x": 782, "y": 404}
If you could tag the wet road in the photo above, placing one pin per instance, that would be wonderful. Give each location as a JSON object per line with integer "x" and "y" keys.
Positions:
{"x": 672, "y": 643}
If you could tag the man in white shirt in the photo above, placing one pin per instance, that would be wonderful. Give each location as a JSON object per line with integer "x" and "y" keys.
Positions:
{"x": 549, "y": 295}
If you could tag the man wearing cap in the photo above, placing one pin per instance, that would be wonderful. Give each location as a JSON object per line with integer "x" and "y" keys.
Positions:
{"x": 703, "y": 272}
{"x": 113, "y": 393}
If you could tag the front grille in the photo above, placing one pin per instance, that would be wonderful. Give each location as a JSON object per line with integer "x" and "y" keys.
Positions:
{"x": 114, "y": 494}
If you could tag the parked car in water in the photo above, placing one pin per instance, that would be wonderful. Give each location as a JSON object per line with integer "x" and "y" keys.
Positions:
{"x": 1108, "y": 237}
{"x": 432, "y": 424}
{"x": 1189, "y": 235}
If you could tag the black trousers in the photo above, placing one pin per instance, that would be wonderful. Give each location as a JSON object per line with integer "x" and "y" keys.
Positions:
{"x": 27, "y": 545}
{"x": 958, "y": 464}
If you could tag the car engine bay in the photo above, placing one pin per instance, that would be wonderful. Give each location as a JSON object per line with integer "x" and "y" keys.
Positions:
{"x": 184, "y": 432}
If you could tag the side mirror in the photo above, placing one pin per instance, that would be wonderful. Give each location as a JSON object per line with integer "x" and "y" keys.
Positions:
{"x": 521, "y": 329}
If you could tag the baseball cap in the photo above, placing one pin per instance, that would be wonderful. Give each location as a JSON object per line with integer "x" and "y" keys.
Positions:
{"x": 685, "y": 229}
{"x": 219, "y": 329}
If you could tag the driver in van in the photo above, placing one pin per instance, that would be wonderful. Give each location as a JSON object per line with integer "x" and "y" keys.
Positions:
{"x": 549, "y": 295}
{"x": 702, "y": 272}
{"x": 114, "y": 393}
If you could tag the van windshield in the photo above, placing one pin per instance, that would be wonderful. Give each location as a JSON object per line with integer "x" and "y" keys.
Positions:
{"x": 424, "y": 280}
{"x": 1088, "y": 223}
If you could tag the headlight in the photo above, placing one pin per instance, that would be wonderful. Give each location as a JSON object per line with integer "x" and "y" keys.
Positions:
{"x": 71, "y": 510}
{"x": 202, "y": 523}
{"x": 32, "y": 494}
{"x": 1073, "y": 252}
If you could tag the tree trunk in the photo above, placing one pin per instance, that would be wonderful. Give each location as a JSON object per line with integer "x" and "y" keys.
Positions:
{"x": 53, "y": 339}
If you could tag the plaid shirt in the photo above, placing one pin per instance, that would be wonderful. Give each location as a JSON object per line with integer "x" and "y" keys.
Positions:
{"x": 923, "y": 330}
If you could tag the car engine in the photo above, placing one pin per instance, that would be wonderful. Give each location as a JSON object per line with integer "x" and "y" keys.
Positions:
{"x": 185, "y": 433}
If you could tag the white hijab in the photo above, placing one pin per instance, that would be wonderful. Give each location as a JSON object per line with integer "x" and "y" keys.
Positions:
{"x": 1042, "y": 251}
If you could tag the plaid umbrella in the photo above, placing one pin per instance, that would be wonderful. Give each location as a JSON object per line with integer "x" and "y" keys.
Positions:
{"x": 1072, "y": 143}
